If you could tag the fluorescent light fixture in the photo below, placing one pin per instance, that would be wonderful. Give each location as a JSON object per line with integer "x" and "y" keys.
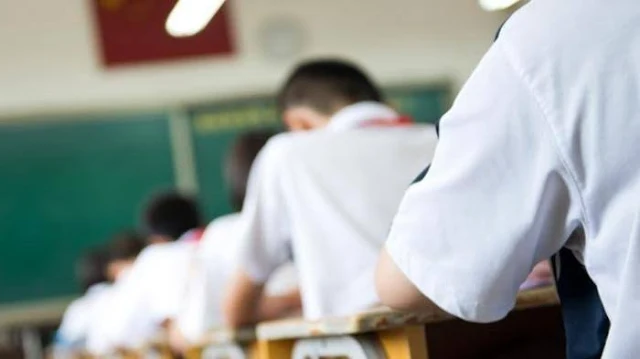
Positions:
{"x": 496, "y": 5}
{"x": 189, "y": 17}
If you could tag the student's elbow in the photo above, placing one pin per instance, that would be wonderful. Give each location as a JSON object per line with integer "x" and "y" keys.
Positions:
{"x": 232, "y": 317}
{"x": 241, "y": 301}
{"x": 235, "y": 313}
{"x": 395, "y": 290}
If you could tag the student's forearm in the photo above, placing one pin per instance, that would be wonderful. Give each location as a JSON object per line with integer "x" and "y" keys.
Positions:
{"x": 242, "y": 303}
{"x": 274, "y": 307}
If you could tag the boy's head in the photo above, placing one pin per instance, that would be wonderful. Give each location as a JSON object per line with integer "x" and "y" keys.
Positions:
{"x": 239, "y": 161}
{"x": 122, "y": 251}
{"x": 168, "y": 216}
{"x": 91, "y": 269}
{"x": 318, "y": 89}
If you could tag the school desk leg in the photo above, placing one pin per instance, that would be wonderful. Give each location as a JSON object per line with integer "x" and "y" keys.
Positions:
{"x": 193, "y": 353}
{"x": 253, "y": 351}
{"x": 277, "y": 349}
{"x": 405, "y": 343}
{"x": 128, "y": 354}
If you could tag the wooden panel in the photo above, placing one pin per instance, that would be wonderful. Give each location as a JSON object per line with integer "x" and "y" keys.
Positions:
{"x": 405, "y": 343}
{"x": 382, "y": 319}
{"x": 276, "y": 349}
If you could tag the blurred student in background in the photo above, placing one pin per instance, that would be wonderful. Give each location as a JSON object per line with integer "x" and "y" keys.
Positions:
{"x": 326, "y": 192}
{"x": 121, "y": 253}
{"x": 147, "y": 299}
{"x": 217, "y": 257}
{"x": 91, "y": 274}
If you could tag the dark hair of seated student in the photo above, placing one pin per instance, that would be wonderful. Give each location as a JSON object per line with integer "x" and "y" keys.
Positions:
{"x": 91, "y": 269}
{"x": 322, "y": 88}
{"x": 168, "y": 216}
{"x": 122, "y": 251}
{"x": 239, "y": 160}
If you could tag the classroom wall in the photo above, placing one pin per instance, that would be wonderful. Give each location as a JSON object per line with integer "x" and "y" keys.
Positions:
{"x": 49, "y": 62}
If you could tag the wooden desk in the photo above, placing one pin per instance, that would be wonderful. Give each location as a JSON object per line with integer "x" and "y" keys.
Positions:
{"x": 535, "y": 326}
{"x": 225, "y": 343}
{"x": 156, "y": 348}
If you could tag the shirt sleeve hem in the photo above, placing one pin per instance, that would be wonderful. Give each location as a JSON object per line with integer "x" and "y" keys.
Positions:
{"x": 256, "y": 275}
{"x": 442, "y": 292}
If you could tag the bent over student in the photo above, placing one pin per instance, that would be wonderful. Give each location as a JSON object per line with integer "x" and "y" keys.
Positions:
{"x": 149, "y": 296}
{"x": 78, "y": 318}
{"x": 540, "y": 144}
{"x": 217, "y": 257}
{"x": 121, "y": 252}
{"x": 326, "y": 192}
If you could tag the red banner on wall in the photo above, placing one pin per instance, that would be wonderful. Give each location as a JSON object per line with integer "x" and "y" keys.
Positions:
{"x": 133, "y": 31}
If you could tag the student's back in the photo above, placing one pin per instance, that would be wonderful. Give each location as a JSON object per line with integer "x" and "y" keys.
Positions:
{"x": 79, "y": 316}
{"x": 339, "y": 192}
{"x": 91, "y": 273}
{"x": 589, "y": 94}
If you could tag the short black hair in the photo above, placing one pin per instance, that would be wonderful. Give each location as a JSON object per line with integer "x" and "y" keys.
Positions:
{"x": 125, "y": 246}
{"x": 327, "y": 85}
{"x": 239, "y": 160}
{"x": 91, "y": 269}
{"x": 170, "y": 215}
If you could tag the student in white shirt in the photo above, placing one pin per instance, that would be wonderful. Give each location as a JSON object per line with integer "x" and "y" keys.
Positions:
{"x": 121, "y": 252}
{"x": 147, "y": 299}
{"x": 326, "y": 192}
{"x": 541, "y": 143}
{"x": 91, "y": 273}
{"x": 217, "y": 256}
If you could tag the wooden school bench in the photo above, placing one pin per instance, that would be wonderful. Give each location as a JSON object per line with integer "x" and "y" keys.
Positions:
{"x": 157, "y": 348}
{"x": 533, "y": 329}
{"x": 225, "y": 343}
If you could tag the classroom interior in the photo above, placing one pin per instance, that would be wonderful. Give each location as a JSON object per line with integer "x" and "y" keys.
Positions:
{"x": 88, "y": 131}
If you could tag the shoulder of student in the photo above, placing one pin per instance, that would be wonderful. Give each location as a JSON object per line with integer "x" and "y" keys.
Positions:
{"x": 220, "y": 224}
{"x": 543, "y": 30}
{"x": 222, "y": 232}
{"x": 292, "y": 145}
{"x": 159, "y": 254}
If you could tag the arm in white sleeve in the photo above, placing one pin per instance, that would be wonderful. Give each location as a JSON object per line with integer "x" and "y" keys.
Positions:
{"x": 496, "y": 201}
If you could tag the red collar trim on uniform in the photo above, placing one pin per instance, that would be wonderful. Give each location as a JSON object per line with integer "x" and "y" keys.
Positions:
{"x": 194, "y": 235}
{"x": 397, "y": 122}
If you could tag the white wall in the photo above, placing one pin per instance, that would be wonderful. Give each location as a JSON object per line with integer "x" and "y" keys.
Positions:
{"x": 49, "y": 63}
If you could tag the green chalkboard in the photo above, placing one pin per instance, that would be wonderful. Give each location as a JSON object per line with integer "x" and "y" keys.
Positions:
{"x": 68, "y": 184}
{"x": 214, "y": 127}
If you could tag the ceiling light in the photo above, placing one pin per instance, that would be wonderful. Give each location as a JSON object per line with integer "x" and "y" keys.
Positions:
{"x": 189, "y": 17}
{"x": 496, "y": 5}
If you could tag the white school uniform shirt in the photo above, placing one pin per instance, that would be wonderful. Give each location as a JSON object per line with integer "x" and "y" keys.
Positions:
{"x": 328, "y": 197}
{"x": 213, "y": 268}
{"x": 153, "y": 290}
{"x": 98, "y": 342}
{"x": 80, "y": 315}
{"x": 542, "y": 141}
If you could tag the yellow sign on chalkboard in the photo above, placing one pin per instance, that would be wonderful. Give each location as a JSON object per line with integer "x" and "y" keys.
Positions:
{"x": 250, "y": 115}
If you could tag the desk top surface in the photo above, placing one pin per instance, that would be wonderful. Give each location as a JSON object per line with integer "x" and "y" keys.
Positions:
{"x": 382, "y": 318}
{"x": 227, "y": 335}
